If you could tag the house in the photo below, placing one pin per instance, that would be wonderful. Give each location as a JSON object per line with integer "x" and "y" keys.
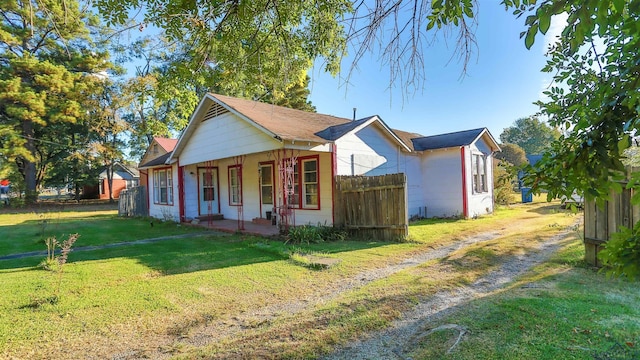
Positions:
{"x": 124, "y": 177}
{"x": 248, "y": 160}
{"x": 158, "y": 150}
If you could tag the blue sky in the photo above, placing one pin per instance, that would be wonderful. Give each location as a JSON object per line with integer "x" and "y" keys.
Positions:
{"x": 503, "y": 80}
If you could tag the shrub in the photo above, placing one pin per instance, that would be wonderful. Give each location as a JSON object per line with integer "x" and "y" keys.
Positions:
{"x": 309, "y": 234}
{"x": 621, "y": 254}
{"x": 503, "y": 177}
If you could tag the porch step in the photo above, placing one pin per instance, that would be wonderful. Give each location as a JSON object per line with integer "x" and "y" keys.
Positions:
{"x": 210, "y": 217}
{"x": 261, "y": 221}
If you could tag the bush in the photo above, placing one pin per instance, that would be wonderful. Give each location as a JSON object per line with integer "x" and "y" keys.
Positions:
{"x": 309, "y": 234}
{"x": 503, "y": 178}
{"x": 621, "y": 254}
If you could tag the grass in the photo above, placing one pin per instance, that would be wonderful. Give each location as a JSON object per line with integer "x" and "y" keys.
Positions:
{"x": 557, "y": 311}
{"x": 25, "y": 232}
{"x": 155, "y": 296}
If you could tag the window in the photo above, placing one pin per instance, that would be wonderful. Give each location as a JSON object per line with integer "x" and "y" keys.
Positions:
{"x": 310, "y": 183}
{"x": 208, "y": 186}
{"x": 479, "y": 168}
{"x": 266, "y": 184}
{"x": 162, "y": 187}
{"x": 235, "y": 185}
{"x": 304, "y": 189}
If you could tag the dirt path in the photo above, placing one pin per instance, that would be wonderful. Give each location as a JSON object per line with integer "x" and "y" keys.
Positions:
{"x": 393, "y": 341}
{"x": 398, "y": 339}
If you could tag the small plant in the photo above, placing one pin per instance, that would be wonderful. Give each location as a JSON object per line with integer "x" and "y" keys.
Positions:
{"x": 44, "y": 219}
{"x": 55, "y": 263}
{"x": 50, "y": 263}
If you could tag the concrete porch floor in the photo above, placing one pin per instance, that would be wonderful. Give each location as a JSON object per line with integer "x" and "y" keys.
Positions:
{"x": 250, "y": 228}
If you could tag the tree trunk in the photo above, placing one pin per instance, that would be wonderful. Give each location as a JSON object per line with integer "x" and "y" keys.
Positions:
{"x": 31, "y": 195}
{"x": 110, "y": 181}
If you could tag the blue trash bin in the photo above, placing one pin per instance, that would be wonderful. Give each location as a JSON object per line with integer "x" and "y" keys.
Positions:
{"x": 527, "y": 195}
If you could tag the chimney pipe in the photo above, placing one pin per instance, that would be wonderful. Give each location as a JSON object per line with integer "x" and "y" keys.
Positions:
{"x": 354, "y": 113}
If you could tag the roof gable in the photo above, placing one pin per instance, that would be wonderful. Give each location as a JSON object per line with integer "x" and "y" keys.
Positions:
{"x": 159, "y": 146}
{"x": 280, "y": 123}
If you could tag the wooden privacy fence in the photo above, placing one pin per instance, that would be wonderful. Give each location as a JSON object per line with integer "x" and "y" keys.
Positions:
{"x": 601, "y": 222}
{"x": 372, "y": 206}
{"x": 133, "y": 202}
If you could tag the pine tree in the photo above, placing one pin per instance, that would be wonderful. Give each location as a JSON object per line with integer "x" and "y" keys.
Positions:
{"x": 46, "y": 65}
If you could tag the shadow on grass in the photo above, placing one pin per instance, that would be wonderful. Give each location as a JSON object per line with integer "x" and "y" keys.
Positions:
{"x": 177, "y": 256}
{"x": 551, "y": 208}
{"x": 99, "y": 229}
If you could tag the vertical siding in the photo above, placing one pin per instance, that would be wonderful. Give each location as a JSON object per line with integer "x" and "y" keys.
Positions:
{"x": 223, "y": 137}
{"x": 442, "y": 174}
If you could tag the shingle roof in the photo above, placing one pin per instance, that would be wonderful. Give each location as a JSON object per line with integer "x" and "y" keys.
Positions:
{"x": 337, "y": 131}
{"x": 166, "y": 143}
{"x": 406, "y": 137}
{"x": 460, "y": 138}
{"x": 157, "y": 161}
{"x": 288, "y": 124}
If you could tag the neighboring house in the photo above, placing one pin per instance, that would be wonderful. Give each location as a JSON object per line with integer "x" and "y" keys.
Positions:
{"x": 159, "y": 147}
{"x": 124, "y": 177}
{"x": 245, "y": 159}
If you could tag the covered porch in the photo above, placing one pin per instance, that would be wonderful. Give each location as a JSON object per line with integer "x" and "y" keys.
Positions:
{"x": 243, "y": 227}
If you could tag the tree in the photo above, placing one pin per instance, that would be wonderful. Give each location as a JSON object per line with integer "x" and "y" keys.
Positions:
{"x": 165, "y": 90}
{"x": 45, "y": 58}
{"x": 513, "y": 154}
{"x": 531, "y": 134}
{"x": 503, "y": 180}
{"x": 107, "y": 144}
{"x": 597, "y": 98}
{"x": 253, "y": 40}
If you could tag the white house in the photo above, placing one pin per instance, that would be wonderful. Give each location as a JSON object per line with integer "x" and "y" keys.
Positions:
{"x": 246, "y": 160}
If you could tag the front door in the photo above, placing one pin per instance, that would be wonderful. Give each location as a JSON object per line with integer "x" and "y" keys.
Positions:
{"x": 266, "y": 189}
{"x": 208, "y": 191}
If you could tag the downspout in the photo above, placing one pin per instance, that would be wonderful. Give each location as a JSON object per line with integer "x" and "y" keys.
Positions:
{"x": 181, "y": 191}
{"x": 465, "y": 205}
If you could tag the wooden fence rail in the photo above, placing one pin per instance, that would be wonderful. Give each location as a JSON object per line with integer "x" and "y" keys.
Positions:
{"x": 133, "y": 202}
{"x": 372, "y": 206}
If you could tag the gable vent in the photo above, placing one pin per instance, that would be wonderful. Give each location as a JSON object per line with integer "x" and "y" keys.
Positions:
{"x": 215, "y": 110}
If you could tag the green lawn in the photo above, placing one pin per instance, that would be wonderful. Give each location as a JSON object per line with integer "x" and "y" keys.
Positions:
{"x": 25, "y": 232}
{"x": 560, "y": 310}
{"x": 151, "y": 296}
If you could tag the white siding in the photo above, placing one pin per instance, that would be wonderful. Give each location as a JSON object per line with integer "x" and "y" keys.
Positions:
{"x": 250, "y": 189}
{"x": 371, "y": 152}
{"x": 225, "y": 136}
{"x": 480, "y": 203}
{"x": 442, "y": 173}
{"x": 368, "y": 152}
{"x": 161, "y": 211}
{"x": 190, "y": 175}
